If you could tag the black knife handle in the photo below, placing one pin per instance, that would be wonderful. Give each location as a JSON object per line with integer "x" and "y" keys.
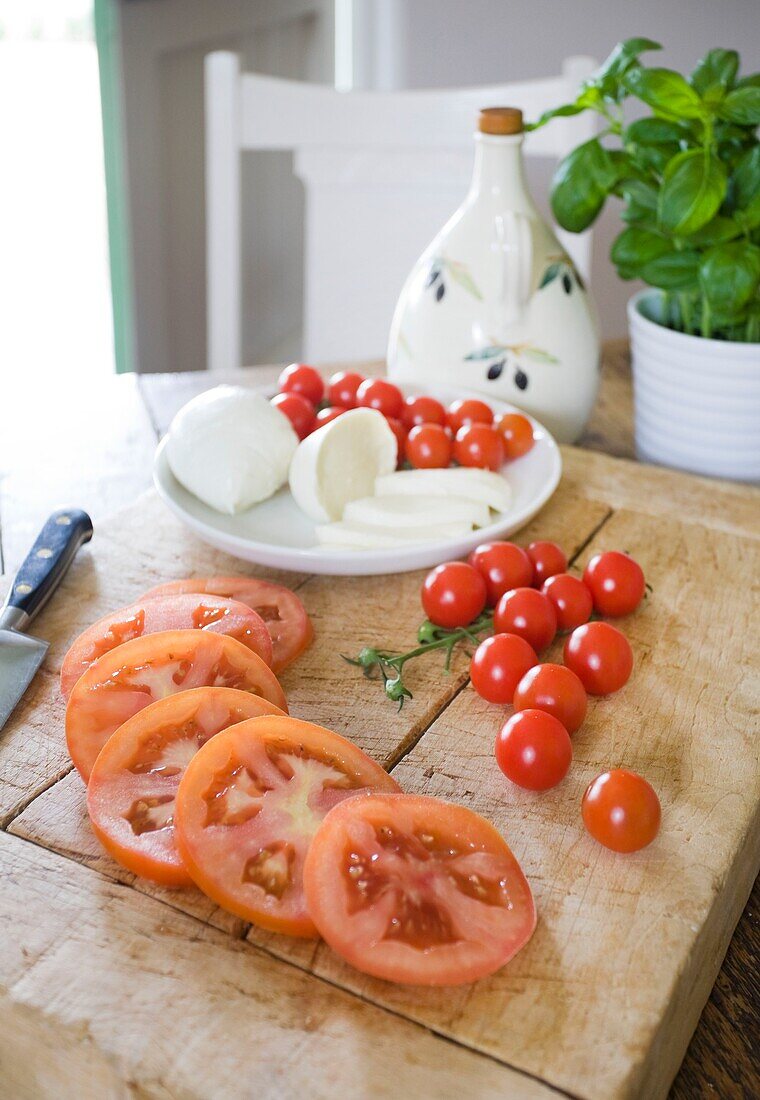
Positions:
{"x": 47, "y": 562}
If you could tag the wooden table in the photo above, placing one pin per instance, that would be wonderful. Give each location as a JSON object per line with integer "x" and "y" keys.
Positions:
{"x": 95, "y": 451}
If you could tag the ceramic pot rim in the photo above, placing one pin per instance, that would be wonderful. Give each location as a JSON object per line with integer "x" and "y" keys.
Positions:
{"x": 702, "y": 345}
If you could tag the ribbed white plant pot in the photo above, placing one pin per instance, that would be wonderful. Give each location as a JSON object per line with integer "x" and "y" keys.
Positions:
{"x": 696, "y": 401}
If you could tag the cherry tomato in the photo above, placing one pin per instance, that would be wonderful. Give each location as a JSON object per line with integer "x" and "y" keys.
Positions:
{"x": 498, "y": 665}
{"x": 299, "y": 412}
{"x": 621, "y": 810}
{"x": 529, "y": 614}
{"x": 399, "y": 431}
{"x": 556, "y": 690}
{"x": 249, "y": 805}
{"x": 299, "y": 378}
{"x": 342, "y": 387}
{"x": 283, "y": 613}
{"x": 548, "y": 558}
{"x": 533, "y": 749}
{"x": 469, "y": 411}
{"x": 504, "y": 566}
{"x": 422, "y": 410}
{"x": 133, "y": 784}
{"x": 428, "y": 447}
{"x": 332, "y": 412}
{"x": 571, "y": 598}
{"x": 600, "y": 656}
{"x": 517, "y": 433}
{"x": 453, "y": 594}
{"x": 616, "y": 583}
{"x": 412, "y": 889}
{"x": 479, "y": 445}
{"x": 378, "y": 393}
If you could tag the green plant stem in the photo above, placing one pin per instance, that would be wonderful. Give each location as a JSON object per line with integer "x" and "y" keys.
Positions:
{"x": 686, "y": 314}
{"x": 706, "y": 319}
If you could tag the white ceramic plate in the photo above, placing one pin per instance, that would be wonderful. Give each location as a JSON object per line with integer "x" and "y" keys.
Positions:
{"x": 278, "y": 534}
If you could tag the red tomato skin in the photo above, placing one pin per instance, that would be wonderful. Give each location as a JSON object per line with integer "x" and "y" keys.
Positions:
{"x": 298, "y": 410}
{"x": 378, "y": 393}
{"x": 556, "y": 690}
{"x": 616, "y": 583}
{"x": 468, "y": 411}
{"x": 600, "y": 656}
{"x": 548, "y": 559}
{"x": 480, "y": 446}
{"x": 571, "y": 598}
{"x": 533, "y": 749}
{"x": 303, "y": 379}
{"x": 332, "y": 412}
{"x": 498, "y": 665}
{"x": 517, "y": 433}
{"x": 422, "y": 410}
{"x": 530, "y": 614}
{"x": 504, "y": 566}
{"x": 342, "y": 387}
{"x": 621, "y": 811}
{"x": 453, "y": 594}
{"x": 399, "y": 431}
{"x": 428, "y": 447}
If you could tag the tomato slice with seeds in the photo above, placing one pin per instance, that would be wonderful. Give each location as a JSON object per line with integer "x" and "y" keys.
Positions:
{"x": 248, "y": 806}
{"x": 411, "y": 889}
{"x": 177, "y": 612}
{"x": 133, "y": 785}
{"x": 127, "y": 679}
{"x": 282, "y": 611}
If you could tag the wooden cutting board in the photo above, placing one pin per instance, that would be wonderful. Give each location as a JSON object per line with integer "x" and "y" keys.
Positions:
{"x": 110, "y": 986}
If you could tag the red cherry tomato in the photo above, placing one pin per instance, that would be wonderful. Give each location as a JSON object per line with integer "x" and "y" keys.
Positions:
{"x": 600, "y": 656}
{"x": 556, "y": 690}
{"x": 299, "y": 378}
{"x": 453, "y": 594}
{"x": 469, "y": 411}
{"x": 299, "y": 412}
{"x": 498, "y": 665}
{"x": 422, "y": 410}
{"x": 571, "y": 598}
{"x": 533, "y": 749}
{"x": 616, "y": 583}
{"x": 479, "y": 445}
{"x": 517, "y": 433}
{"x": 332, "y": 412}
{"x": 377, "y": 393}
{"x": 548, "y": 558}
{"x": 428, "y": 447}
{"x": 504, "y": 566}
{"x": 621, "y": 810}
{"x": 399, "y": 431}
{"x": 530, "y": 614}
{"x": 342, "y": 387}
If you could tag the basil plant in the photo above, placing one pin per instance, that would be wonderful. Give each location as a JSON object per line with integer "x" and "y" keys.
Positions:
{"x": 689, "y": 178}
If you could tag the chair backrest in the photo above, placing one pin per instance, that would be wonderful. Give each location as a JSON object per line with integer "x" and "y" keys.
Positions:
{"x": 382, "y": 172}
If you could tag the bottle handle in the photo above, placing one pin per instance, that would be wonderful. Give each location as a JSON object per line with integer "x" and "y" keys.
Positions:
{"x": 517, "y": 251}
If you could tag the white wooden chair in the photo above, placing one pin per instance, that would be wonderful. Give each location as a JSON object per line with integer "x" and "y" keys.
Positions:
{"x": 382, "y": 172}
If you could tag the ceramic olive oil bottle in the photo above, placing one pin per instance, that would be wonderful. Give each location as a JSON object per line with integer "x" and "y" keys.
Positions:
{"x": 495, "y": 304}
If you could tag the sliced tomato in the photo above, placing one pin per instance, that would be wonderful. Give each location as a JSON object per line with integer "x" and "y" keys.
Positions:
{"x": 175, "y": 612}
{"x": 282, "y": 611}
{"x": 133, "y": 785}
{"x": 127, "y": 679}
{"x": 412, "y": 889}
{"x": 248, "y": 806}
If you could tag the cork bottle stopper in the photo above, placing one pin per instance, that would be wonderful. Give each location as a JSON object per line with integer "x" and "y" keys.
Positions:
{"x": 500, "y": 120}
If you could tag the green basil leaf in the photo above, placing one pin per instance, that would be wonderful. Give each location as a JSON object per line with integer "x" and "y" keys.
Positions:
{"x": 635, "y": 247}
{"x": 555, "y": 112}
{"x": 581, "y": 184}
{"x": 672, "y": 271}
{"x": 666, "y": 92}
{"x": 717, "y": 231}
{"x": 729, "y": 275}
{"x": 746, "y": 188}
{"x": 742, "y": 106}
{"x": 654, "y": 158}
{"x": 715, "y": 72}
{"x": 640, "y": 203}
{"x": 607, "y": 77}
{"x": 654, "y": 131}
{"x": 751, "y": 81}
{"x": 693, "y": 188}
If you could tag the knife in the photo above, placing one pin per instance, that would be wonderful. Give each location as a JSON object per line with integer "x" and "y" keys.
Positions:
{"x": 40, "y": 574}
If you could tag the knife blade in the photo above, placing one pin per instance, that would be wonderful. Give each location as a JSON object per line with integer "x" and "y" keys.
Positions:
{"x": 40, "y": 574}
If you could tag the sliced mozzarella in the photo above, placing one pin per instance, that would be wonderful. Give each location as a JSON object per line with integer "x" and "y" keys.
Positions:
{"x": 480, "y": 485}
{"x": 340, "y": 462}
{"x": 230, "y": 448}
{"x": 357, "y": 536}
{"x": 397, "y": 512}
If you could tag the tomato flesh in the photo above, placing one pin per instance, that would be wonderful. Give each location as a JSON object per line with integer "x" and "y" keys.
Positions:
{"x": 249, "y": 805}
{"x": 412, "y": 889}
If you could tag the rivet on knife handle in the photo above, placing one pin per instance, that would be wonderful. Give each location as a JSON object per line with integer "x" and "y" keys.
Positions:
{"x": 46, "y": 563}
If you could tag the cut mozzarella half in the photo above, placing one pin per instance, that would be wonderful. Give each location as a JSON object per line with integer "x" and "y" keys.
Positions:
{"x": 458, "y": 481}
{"x": 394, "y": 513}
{"x": 340, "y": 462}
{"x": 358, "y": 536}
